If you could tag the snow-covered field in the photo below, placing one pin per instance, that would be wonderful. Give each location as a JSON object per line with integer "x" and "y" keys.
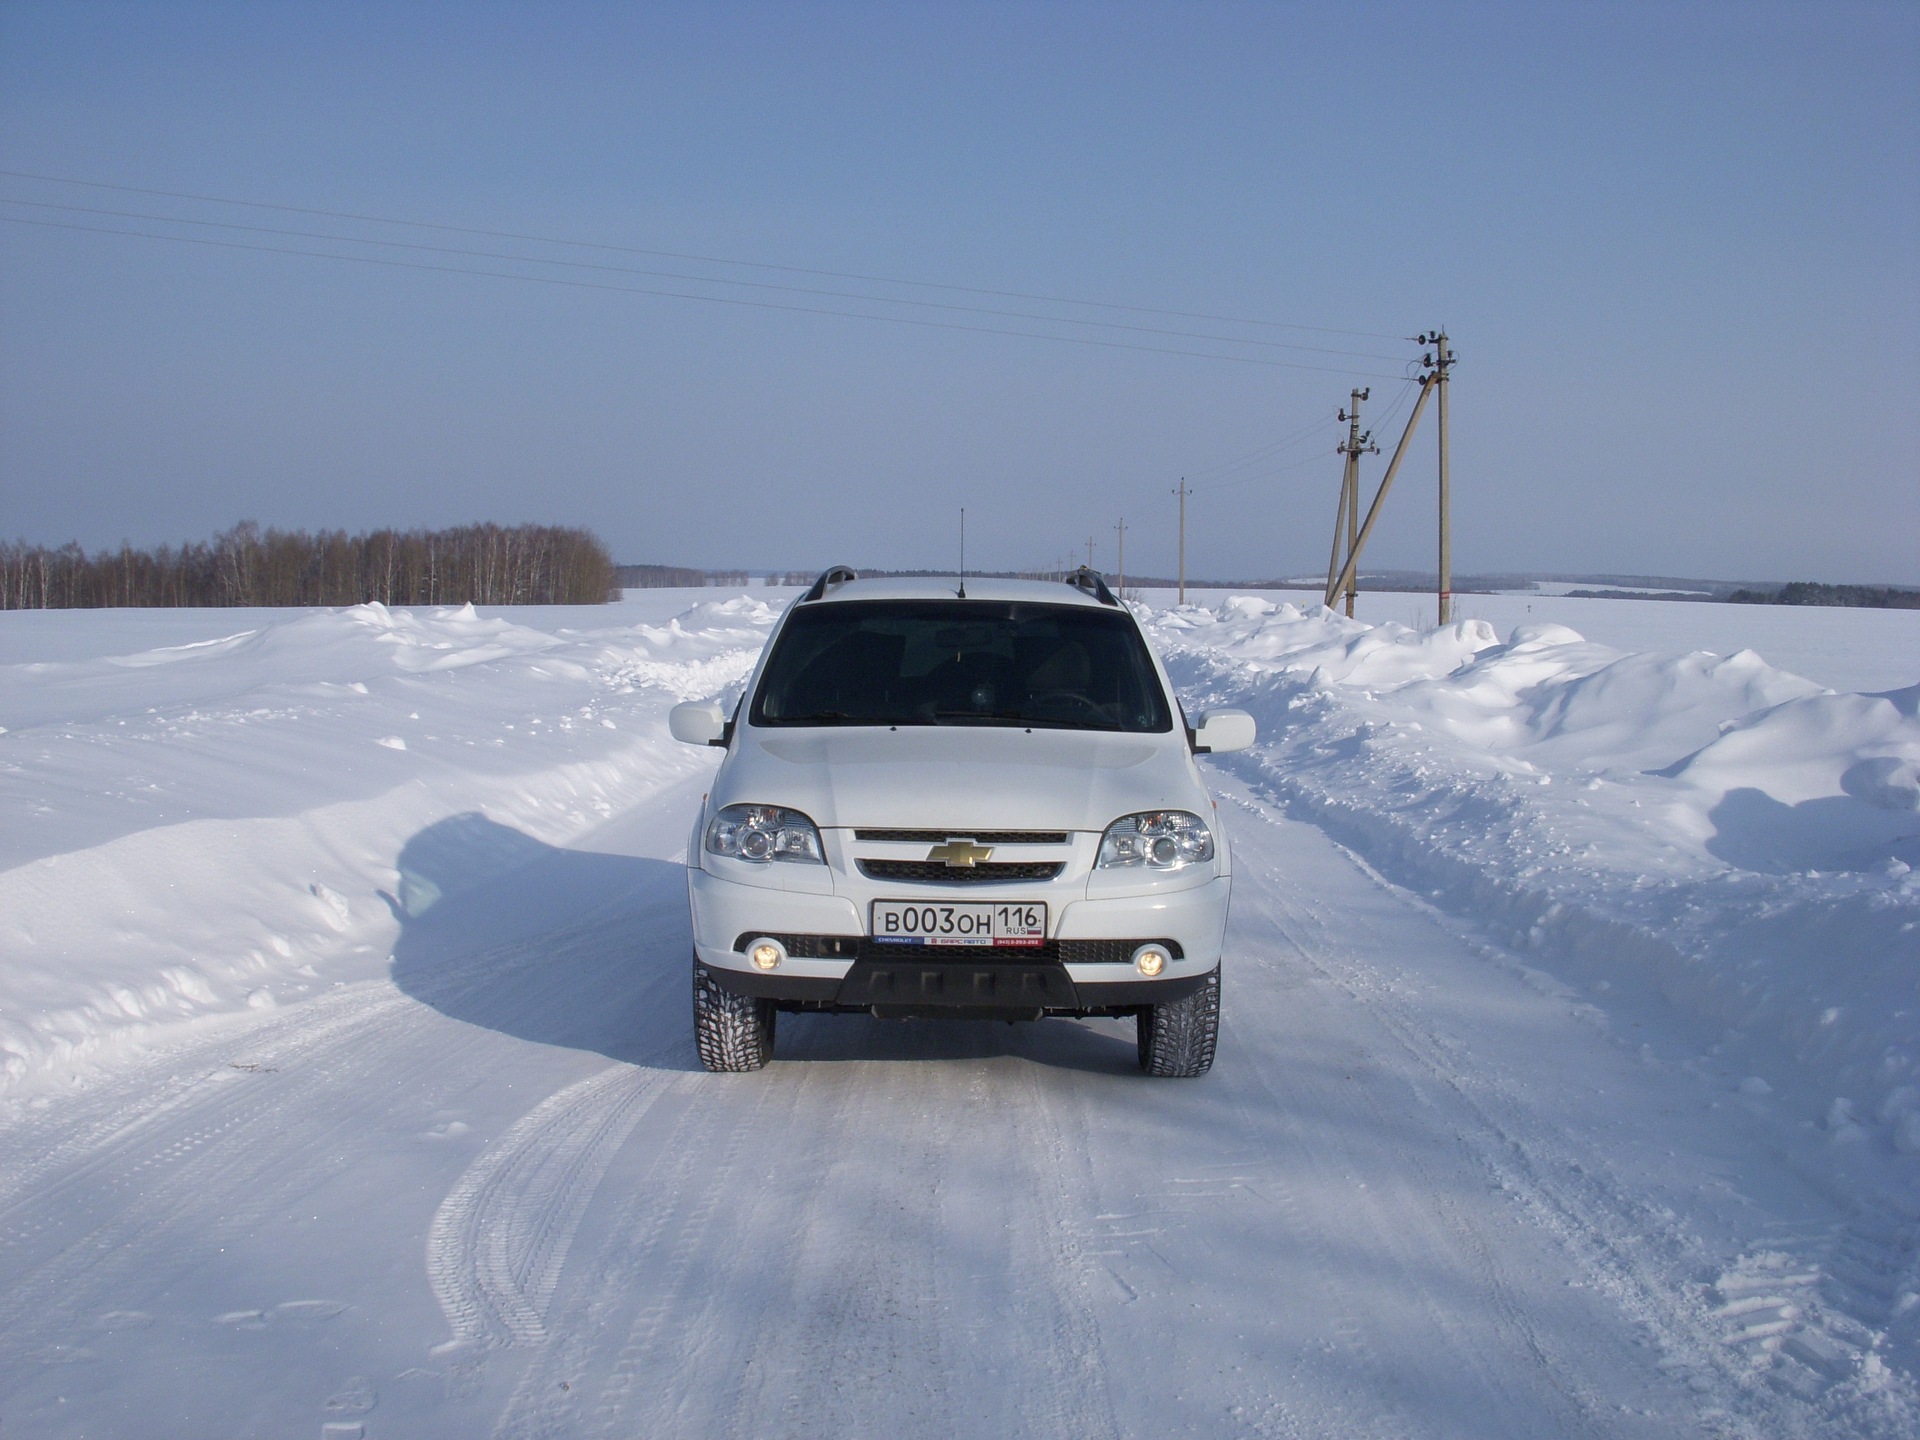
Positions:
{"x": 1569, "y": 1083}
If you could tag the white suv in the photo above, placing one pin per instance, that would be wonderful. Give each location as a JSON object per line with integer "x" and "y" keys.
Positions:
{"x": 974, "y": 800}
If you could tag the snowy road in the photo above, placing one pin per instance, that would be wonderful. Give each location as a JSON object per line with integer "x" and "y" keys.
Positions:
{"x": 350, "y": 1090}
{"x": 494, "y": 1195}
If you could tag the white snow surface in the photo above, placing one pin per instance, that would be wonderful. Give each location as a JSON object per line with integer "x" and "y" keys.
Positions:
{"x": 1569, "y": 1083}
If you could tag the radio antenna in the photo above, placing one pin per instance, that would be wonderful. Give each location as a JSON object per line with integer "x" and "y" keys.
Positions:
{"x": 963, "y": 552}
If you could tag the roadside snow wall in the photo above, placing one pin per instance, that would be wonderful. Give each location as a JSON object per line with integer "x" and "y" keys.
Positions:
{"x": 198, "y": 829}
{"x": 1729, "y": 835}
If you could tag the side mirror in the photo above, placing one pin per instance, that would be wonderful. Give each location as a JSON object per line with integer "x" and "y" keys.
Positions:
{"x": 1220, "y": 731}
{"x": 698, "y": 722}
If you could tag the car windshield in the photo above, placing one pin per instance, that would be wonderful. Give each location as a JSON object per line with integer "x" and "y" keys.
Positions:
{"x": 961, "y": 662}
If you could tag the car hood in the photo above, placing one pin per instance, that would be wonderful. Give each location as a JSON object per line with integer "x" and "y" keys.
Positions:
{"x": 960, "y": 778}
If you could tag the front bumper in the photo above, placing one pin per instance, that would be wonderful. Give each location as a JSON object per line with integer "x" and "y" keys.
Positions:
{"x": 959, "y": 988}
{"x": 1070, "y": 976}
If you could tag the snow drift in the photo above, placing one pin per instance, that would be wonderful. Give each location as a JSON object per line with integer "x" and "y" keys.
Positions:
{"x": 1706, "y": 828}
{"x": 211, "y": 826}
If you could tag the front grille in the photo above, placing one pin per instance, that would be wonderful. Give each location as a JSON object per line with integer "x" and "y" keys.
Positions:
{"x": 979, "y": 837}
{"x": 938, "y": 872}
{"x": 863, "y": 947}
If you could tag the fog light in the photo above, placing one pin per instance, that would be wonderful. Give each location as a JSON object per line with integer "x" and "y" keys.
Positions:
{"x": 765, "y": 954}
{"x": 1150, "y": 960}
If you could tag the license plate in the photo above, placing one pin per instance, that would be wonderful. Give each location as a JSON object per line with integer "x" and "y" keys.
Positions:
{"x": 964, "y": 922}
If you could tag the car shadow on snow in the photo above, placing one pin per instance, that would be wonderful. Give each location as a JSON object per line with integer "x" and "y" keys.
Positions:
{"x": 591, "y": 951}
{"x": 572, "y": 948}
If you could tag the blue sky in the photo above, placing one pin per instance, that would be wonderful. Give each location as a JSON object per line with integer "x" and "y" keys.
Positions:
{"x": 1677, "y": 246}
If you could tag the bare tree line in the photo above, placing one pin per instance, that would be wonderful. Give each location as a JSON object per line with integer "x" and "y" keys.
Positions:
{"x": 660, "y": 577}
{"x": 482, "y": 564}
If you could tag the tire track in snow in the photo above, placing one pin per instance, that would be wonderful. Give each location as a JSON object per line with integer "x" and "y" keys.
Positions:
{"x": 849, "y": 1342}
{"x": 1609, "y": 1233}
{"x": 629, "y": 1349}
{"x": 1623, "y": 1240}
{"x": 556, "y": 1388}
{"x": 92, "y": 1131}
{"x": 266, "y": 1136}
{"x": 259, "y": 1134}
{"x": 498, "y": 1241}
{"x": 817, "y": 1250}
{"x": 670, "y": 1293}
{"x": 1053, "y": 1247}
{"x": 1412, "y": 1176}
{"x": 1815, "y": 1314}
{"x": 1251, "y": 1092}
{"x": 926, "y": 1273}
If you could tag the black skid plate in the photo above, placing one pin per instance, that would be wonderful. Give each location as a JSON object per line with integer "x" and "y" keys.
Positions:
{"x": 949, "y": 987}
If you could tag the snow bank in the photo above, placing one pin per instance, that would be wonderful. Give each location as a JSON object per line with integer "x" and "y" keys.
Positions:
{"x": 204, "y": 827}
{"x": 1705, "y": 828}
{"x": 200, "y": 827}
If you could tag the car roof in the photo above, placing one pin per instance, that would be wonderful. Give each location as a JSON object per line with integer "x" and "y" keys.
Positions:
{"x": 946, "y": 587}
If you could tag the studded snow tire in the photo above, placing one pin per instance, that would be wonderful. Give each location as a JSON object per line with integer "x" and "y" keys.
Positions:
{"x": 732, "y": 1032}
{"x": 1178, "y": 1039}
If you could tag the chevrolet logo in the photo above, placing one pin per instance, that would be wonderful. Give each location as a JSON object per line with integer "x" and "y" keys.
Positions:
{"x": 960, "y": 854}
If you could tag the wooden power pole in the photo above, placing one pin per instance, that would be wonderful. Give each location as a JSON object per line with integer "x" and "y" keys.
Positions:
{"x": 1437, "y": 363}
{"x": 1183, "y": 492}
{"x": 1334, "y": 568}
{"x": 1352, "y": 566}
{"x": 1440, "y": 361}
{"x": 1347, "y": 519}
{"x": 1120, "y": 535}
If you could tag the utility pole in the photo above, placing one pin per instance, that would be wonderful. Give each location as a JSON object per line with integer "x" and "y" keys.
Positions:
{"x": 1120, "y": 534}
{"x": 1352, "y": 567}
{"x": 1183, "y": 492}
{"x": 1440, "y": 361}
{"x": 1348, "y": 516}
{"x": 1090, "y": 552}
{"x": 1334, "y": 569}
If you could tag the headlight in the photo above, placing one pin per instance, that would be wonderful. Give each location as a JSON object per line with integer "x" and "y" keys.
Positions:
{"x": 764, "y": 832}
{"x": 1157, "y": 839}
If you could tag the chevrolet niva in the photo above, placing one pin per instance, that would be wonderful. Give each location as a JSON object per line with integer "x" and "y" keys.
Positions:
{"x": 976, "y": 801}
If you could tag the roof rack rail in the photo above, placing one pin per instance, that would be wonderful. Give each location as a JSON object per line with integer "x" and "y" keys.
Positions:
{"x": 1088, "y": 579}
{"x": 833, "y": 575}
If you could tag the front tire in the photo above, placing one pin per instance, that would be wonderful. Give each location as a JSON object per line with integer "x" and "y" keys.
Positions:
{"x": 1177, "y": 1040}
{"x": 731, "y": 1032}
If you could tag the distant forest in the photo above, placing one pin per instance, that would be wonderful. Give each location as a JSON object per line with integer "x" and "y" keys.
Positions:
{"x": 661, "y": 577}
{"x": 1808, "y": 592}
{"x": 483, "y": 564}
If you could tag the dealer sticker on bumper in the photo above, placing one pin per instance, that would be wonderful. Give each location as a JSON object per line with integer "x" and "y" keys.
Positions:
{"x": 966, "y": 922}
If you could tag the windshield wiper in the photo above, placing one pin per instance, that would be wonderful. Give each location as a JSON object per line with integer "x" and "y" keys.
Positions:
{"x": 1015, "y": 717}
{"x": 1007, "y": 716}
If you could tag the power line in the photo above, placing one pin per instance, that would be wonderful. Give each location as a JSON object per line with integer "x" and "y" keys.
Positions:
{"x": 1386, "y": 418}
{"x": 682, "y": 295}
{"x": 695, "y": 279}
{"x": 701, "y": 259}
{"x": 1254, "y": 457}
{"x": 1269, "y": 474}
{"x": 1392, "y": 412}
